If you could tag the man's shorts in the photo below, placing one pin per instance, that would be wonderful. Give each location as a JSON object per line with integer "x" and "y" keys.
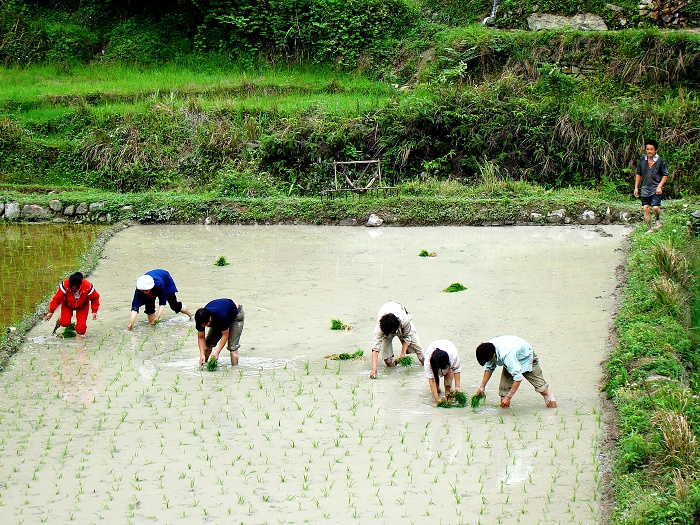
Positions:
{"x": 654, "y": 201}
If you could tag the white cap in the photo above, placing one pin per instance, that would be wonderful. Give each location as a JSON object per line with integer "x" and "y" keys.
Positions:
{"x": 145, "y": 282}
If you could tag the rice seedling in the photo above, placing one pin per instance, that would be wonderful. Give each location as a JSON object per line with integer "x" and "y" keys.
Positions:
{"x": 454, "y": 399}
{"x": 476, "y": 400}
{"x": 426, "y": 253}
{"x": 221, "y": 261}
{"x": 405, "y": 361}
{"x": 212, "y": 365}
{"x": 455, "y": 287}
{"x": 337, "y": 324}
{"x": 69, "y": 332}
{"x": 357, "y": 356}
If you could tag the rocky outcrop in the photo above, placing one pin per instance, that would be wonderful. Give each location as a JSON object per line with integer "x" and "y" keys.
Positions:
{"x": 666, "y": 13}
{"x": 581, "y": 22}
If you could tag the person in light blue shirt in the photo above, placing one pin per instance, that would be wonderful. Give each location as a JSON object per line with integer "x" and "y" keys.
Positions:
{"x": 519, "y": 361}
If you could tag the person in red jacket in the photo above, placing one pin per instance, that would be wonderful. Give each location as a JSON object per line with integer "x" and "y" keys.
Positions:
{"x": 75, "y": 294}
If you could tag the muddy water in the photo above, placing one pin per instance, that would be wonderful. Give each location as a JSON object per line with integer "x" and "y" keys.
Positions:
{"x": 123, "y": 427}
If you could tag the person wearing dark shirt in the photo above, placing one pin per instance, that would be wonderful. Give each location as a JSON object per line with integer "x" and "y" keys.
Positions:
{"x": 224, "y": 318}
{"x": 156, "y": 284}
{"x": 652, "y": 174}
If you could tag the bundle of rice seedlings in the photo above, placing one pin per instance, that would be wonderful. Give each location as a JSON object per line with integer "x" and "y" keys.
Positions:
{"x": 406, "y": 361}
{"x": 337, "y": 324}
{"x": 212, "y": 365}
{"x": 476, "y": 400}
{"x": 69, "y": 332}
{"x": 455, "y": 287}
{"x": 454, "y": 399}
{"x": 346, "y": 356}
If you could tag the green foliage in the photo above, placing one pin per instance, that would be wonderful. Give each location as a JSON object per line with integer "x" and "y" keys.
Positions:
{"x": 476, "y": 400}
{"x": 212, "y": 365}
{"x": 337, "y": 324}
{"x": 654, "y": 380}
{"x": 633, "y": 451}
{"x": 454, "y": 399}
{"x": 221, "y": 261}
{"x": 69, "y": 332}
{"x": 455, "y": 287}
{"x": 346, "y": 356}
{"x": 405, "y": 361}
{"x": 424, "y": 253}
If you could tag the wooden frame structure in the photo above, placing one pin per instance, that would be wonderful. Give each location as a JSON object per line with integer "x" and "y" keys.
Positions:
{"x": 354, "y": 186}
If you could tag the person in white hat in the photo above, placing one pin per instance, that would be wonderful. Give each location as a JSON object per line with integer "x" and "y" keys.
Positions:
{"x": 149, "y": 286}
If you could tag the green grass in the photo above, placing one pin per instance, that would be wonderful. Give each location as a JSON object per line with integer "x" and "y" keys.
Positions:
{"x": 337, "y": 324}
{"x": 221, "y": 261}
{"x": 654, "y": 380}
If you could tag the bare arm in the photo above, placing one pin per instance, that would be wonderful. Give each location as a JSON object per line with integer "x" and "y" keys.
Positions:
{"x": 222, "y": 343}
{"x": 484, "y": 380}
{"x": 375, "y": 360}
{"x": 637, "y": 182}
{"x": 134, "y": 313}
{"x": 201, "y": 342}
{"x": 434, "y": 389}
{"x": 505, "y": 402}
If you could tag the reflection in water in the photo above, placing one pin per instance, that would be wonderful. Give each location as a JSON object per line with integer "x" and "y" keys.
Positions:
{"x": 518, "y": 469}
{"x": 77, "y": 377}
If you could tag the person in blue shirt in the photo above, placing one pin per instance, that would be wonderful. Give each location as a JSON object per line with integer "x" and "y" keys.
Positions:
{"x": 225, "y": 319}
{"x": 156, "y": 284}
{"x": 519, "y": 361}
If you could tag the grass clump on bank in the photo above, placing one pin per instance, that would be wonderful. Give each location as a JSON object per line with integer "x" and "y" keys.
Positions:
{"x": 653, "y": 377}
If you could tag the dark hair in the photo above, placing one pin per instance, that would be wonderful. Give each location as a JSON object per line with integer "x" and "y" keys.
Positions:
{"x": 389, "y": 324}
{"x": 75, "y": 280}
{"x": 651, "y": 143}
{"x": 202, "y": 316}
{"x": 438, "y": 361}
{"x": 484, "y": 352}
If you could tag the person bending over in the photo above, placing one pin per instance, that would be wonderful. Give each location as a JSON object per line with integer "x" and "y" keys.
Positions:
{"x": 442, "y": 360}
{"x": 519, "y": 361}
{"x": 225, "y": 319}
{"x": 393, "y": 320}
{"x": 156, "y": 284}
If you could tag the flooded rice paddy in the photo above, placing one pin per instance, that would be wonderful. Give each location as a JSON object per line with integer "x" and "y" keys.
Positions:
{"x": 123, "y": 427}
{"x": 33, "y": 259}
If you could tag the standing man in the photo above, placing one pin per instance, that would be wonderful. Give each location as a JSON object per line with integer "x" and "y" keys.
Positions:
{"x": 652, "y": 174}
{"x": 225, "y": 321}
{"x": 75, "y": 294}
{"x": 442, "y": 359}
{"x": 394, "y": 320}
{"x": 518, "y": 360}
{"x": 156, "y": 284}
